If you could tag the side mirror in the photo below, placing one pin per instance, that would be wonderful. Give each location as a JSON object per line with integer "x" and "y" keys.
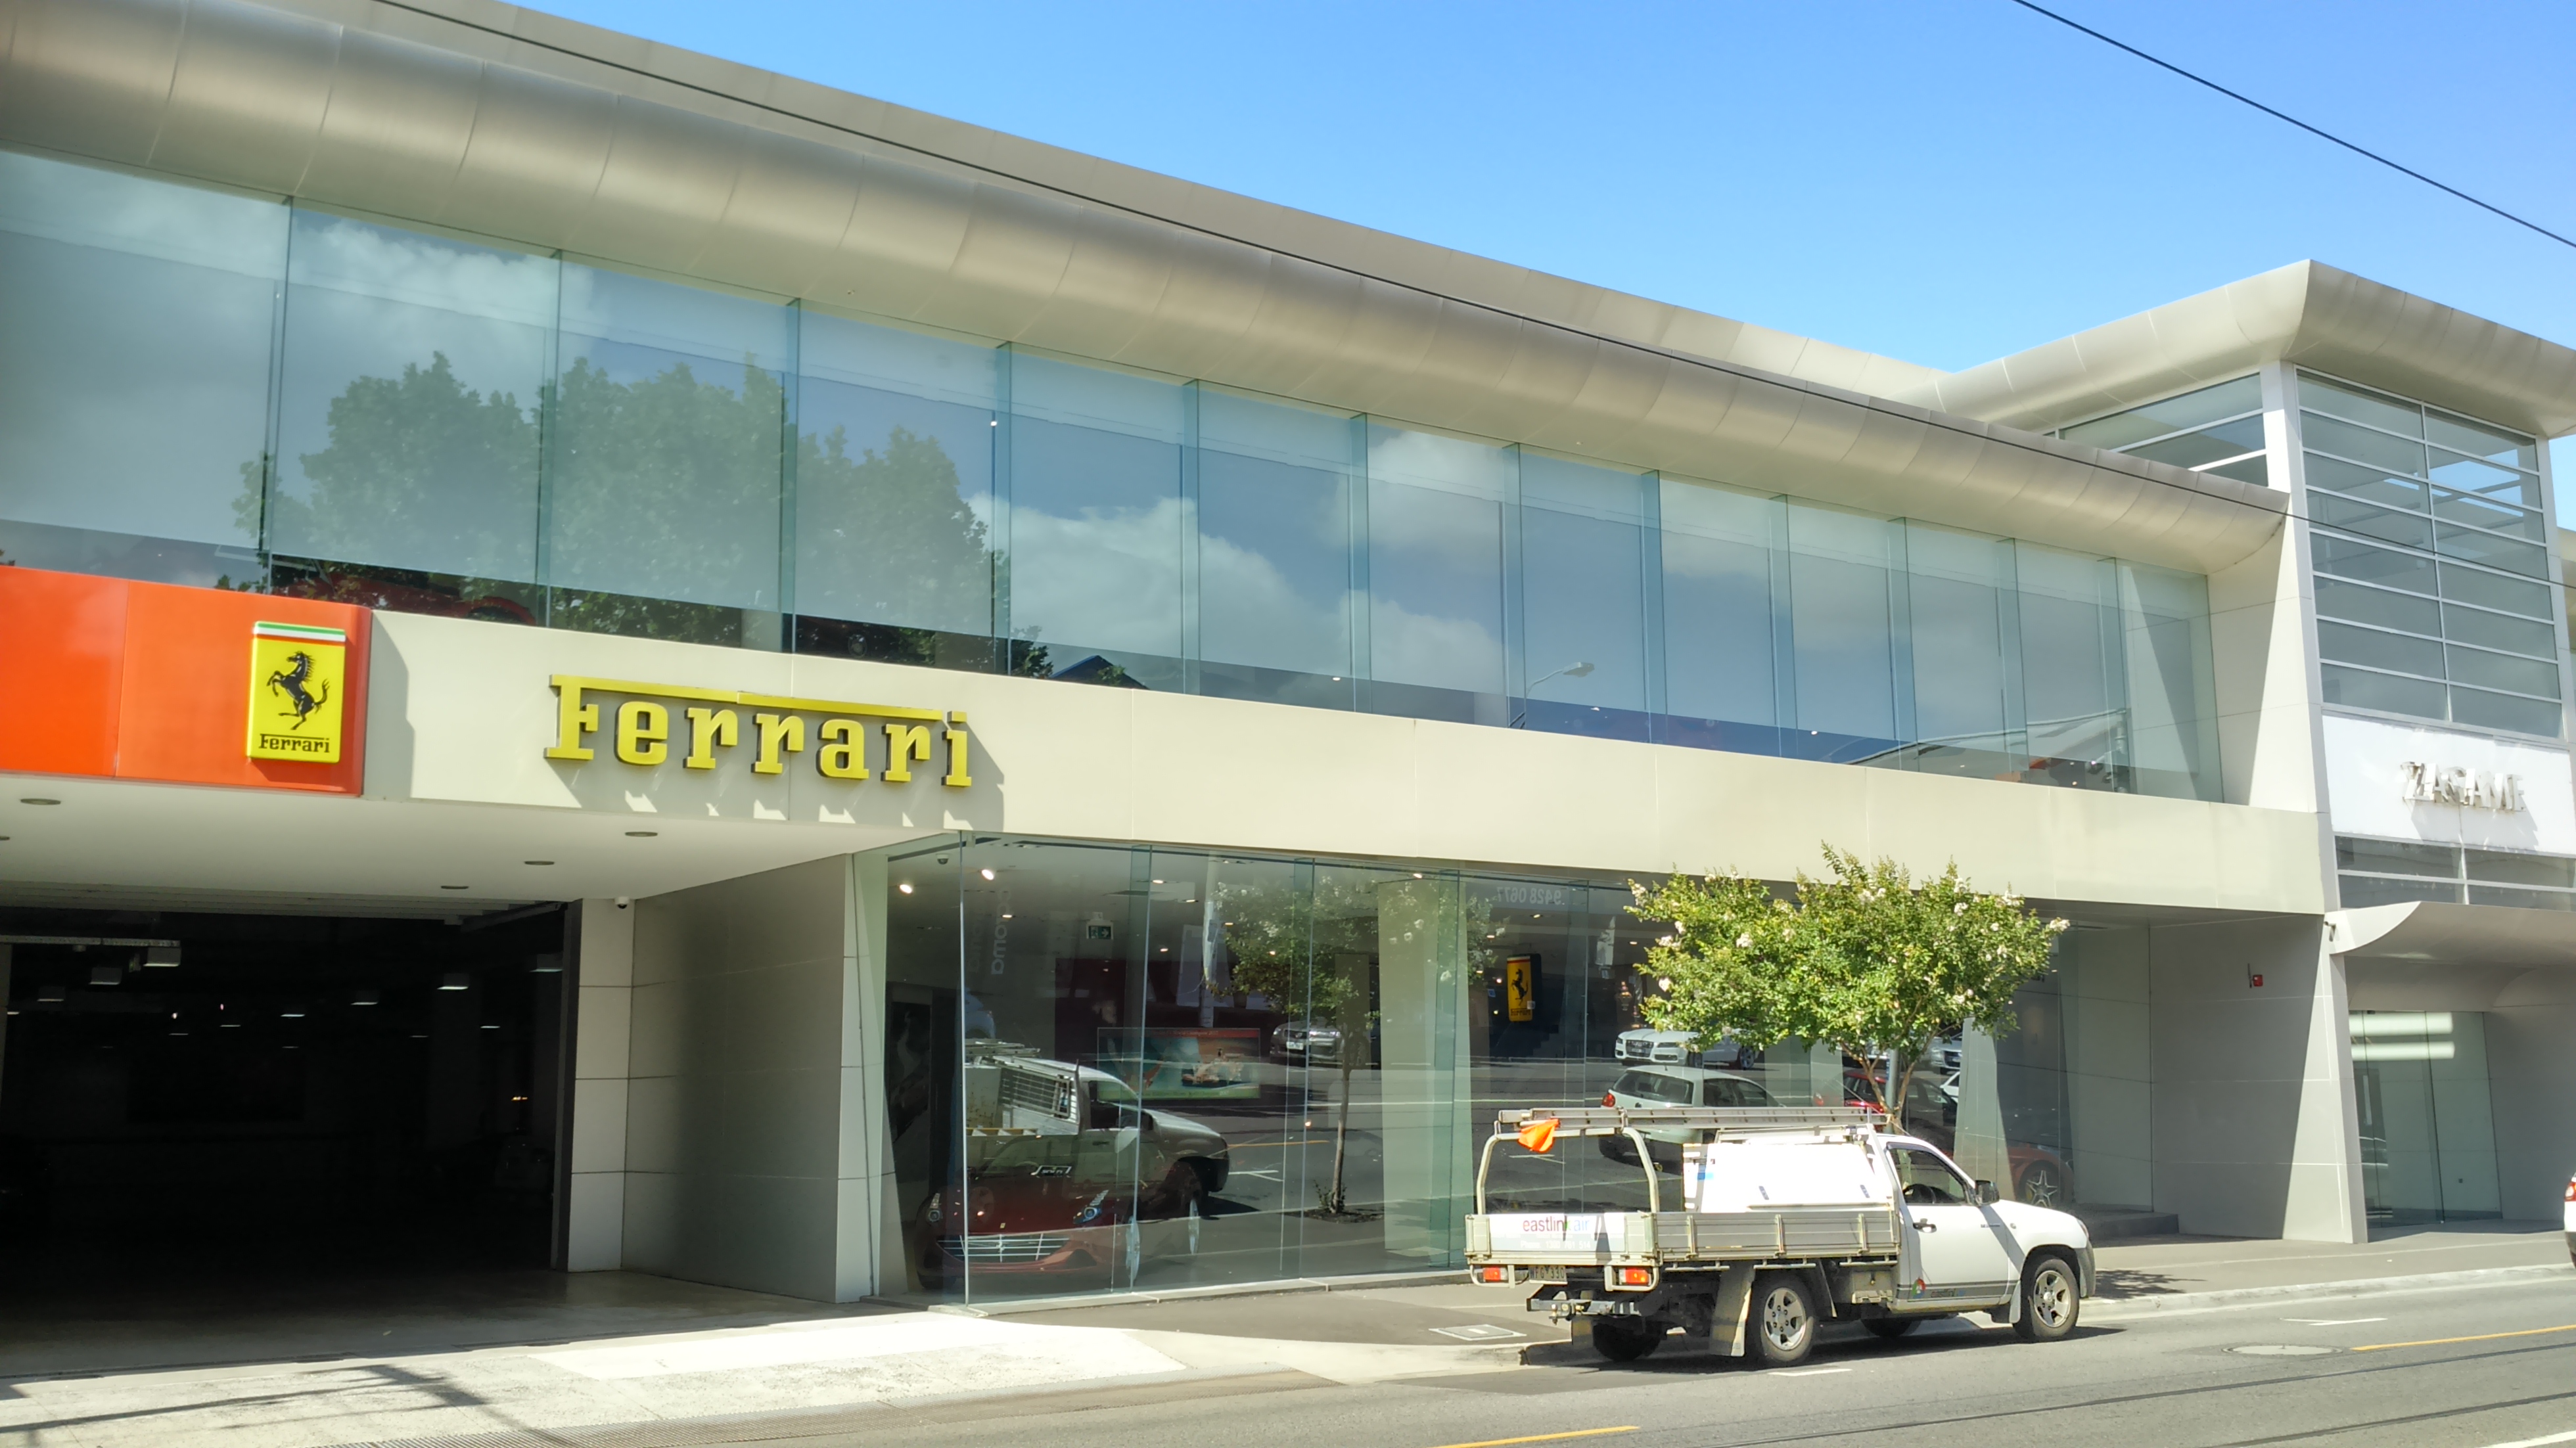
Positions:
{"x": 1987, "y": 1196}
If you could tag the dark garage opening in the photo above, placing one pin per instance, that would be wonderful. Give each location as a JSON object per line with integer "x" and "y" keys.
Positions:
{"x": 211, "y": 1099}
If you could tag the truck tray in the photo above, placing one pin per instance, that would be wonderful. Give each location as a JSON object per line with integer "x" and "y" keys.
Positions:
{"x": 1680, "y": 1239}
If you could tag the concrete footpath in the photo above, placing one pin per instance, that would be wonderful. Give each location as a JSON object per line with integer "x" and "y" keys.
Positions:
{"x": 752, "y": 1359}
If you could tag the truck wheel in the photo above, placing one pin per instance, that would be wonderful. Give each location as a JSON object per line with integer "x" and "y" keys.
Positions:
{"x": 2050, "y": 1300}
{"x": 1626, "y": 1339}
{"x": 1890, "y": 1327}
{"x": 1784, "y": 1319}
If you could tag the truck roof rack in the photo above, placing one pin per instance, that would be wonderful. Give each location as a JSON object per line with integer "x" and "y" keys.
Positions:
{"x": 1613, "y": 1120}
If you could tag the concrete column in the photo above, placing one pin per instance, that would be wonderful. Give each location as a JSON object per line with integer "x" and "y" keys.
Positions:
{"x": 735, "y": 1078}
{"x": 869, "y": 1246}
{"x": 2103, "y": 994}
{"x": 2256, "y": 1134}
{"x": 1426, "y": 1084}
{"x": 1977, "y": 1142}
{"x": 594, "y": 1239}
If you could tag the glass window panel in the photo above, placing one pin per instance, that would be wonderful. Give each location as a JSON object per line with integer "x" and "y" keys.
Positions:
{"x": 671, "y": 409}
{"x": 2494, "y": 590}
{"x": 2361, "y": 689}
{"x": 2172, "y": 717}
{"x": 2386, "y": 566}
{"x": 1839, "y": 568}
{"x": 2521, "y": 899}
{"x": 1717, "y": 603}
{"x": 1095, "y": 550}
{"x": 2361, "y": 445}
{"x": 2256, "y": 469}
{"x": 1436, "y": 565}
{"x": 2503, "y": 671}
{"x": 2505, "y": 711}
{"x": 2479, "y": 512}
{"x": 2192, "y": 449}
{"x": 2505, "y": 867}
{"x": 894, "y": 477}
{"x": 2394, "y": 414}
{"x": 1583, "y": 595}
{"x": 2069, "y": 677}
{"x": 2370, "y": 484}
{"x": 2495, "y": 631}
{"x": 2477, "y": 477}
{"x": 2411, "y": 529}
{"x": 1274, "y": 544}
{"x": 2397, "y": 857}
{"x": 2338, "y": 599}
{"x": 407, "y": 420}
{"x": 2192, "y": 409}
{"x": 2372, "y": 649}
{"x": 2362, "y": 890}
{"x": 134, "y": 313}
{"x": 1958, "y": 587}
{"x": 2481, "y": 441}
{"x": 2457, "y": 542}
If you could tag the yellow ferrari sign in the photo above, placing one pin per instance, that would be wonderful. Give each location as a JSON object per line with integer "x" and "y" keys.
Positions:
{"x": 1520, "y": 990}
{"x": 297, "y": 676}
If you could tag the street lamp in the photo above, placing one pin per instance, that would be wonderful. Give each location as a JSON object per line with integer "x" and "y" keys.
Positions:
{"x": 1576, "y": 670}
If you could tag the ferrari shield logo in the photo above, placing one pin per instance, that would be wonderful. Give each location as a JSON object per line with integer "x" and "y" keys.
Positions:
{"x": 297, "y": 673}
{"x": 1520, "y": 988}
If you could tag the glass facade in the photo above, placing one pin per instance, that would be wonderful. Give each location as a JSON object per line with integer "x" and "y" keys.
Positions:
{"x": 2214, "y": 430}
{"x": 2430, "y": 536}
{"x": 1115, "y": 1066}
{"x": 211, "y": 388}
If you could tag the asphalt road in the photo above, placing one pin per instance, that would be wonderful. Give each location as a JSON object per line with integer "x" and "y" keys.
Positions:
{"x": 2469, "y": 1367}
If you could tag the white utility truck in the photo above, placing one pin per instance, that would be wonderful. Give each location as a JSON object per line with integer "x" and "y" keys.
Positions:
{"x": 1786, "y": 1216}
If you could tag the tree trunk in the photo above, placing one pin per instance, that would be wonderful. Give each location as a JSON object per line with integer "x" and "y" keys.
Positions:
{"x": 1905, "y": 1090}
{"x": 1340, "y": 1204}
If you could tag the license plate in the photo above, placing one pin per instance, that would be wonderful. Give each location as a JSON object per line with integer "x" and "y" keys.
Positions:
{"x": 1547, "y": 1274}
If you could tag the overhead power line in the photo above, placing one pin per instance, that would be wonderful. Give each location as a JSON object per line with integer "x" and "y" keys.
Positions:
{"x": 2294, "y": 120}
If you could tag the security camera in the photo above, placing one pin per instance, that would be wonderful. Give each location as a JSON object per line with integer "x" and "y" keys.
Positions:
{"x": 623, "y": 902}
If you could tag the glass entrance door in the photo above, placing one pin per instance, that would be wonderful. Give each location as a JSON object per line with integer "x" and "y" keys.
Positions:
{"x": 2427, "y": 1126}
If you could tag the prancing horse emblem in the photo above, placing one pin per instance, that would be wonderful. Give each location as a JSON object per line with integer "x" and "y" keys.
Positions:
{"x": 290, "y": 682}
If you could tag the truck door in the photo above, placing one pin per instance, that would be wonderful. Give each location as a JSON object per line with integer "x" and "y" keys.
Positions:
{"x": 1953, "y": 1251}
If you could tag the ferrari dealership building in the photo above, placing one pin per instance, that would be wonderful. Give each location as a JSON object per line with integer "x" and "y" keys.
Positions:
{"x": 616, "y": 661}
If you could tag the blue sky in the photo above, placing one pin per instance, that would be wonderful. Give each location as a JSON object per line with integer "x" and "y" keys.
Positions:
{"x": 1944, "y": 181}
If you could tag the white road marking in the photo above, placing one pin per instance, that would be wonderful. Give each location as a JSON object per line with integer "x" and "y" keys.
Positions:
{"x": 2332, "y": 1321}
{"x": 2536, "y": 1442}
{"x": 1819, "y": 1372}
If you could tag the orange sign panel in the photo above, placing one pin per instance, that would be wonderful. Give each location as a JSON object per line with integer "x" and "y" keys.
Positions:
{"x": 123, "y": 680}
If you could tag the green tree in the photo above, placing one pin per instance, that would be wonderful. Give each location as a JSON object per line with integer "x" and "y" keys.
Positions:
{"x": 419, "y": 457}
{"x": 889, "y": 533}
{"x": 1868, "y": 960}
{"x": 668, "y": 485}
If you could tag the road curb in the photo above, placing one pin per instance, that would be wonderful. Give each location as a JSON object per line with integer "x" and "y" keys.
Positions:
{"x": 2114, "y": 1308}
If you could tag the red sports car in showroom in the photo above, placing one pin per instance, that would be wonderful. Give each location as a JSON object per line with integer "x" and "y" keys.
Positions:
{"x": 1088, "y": 1207}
